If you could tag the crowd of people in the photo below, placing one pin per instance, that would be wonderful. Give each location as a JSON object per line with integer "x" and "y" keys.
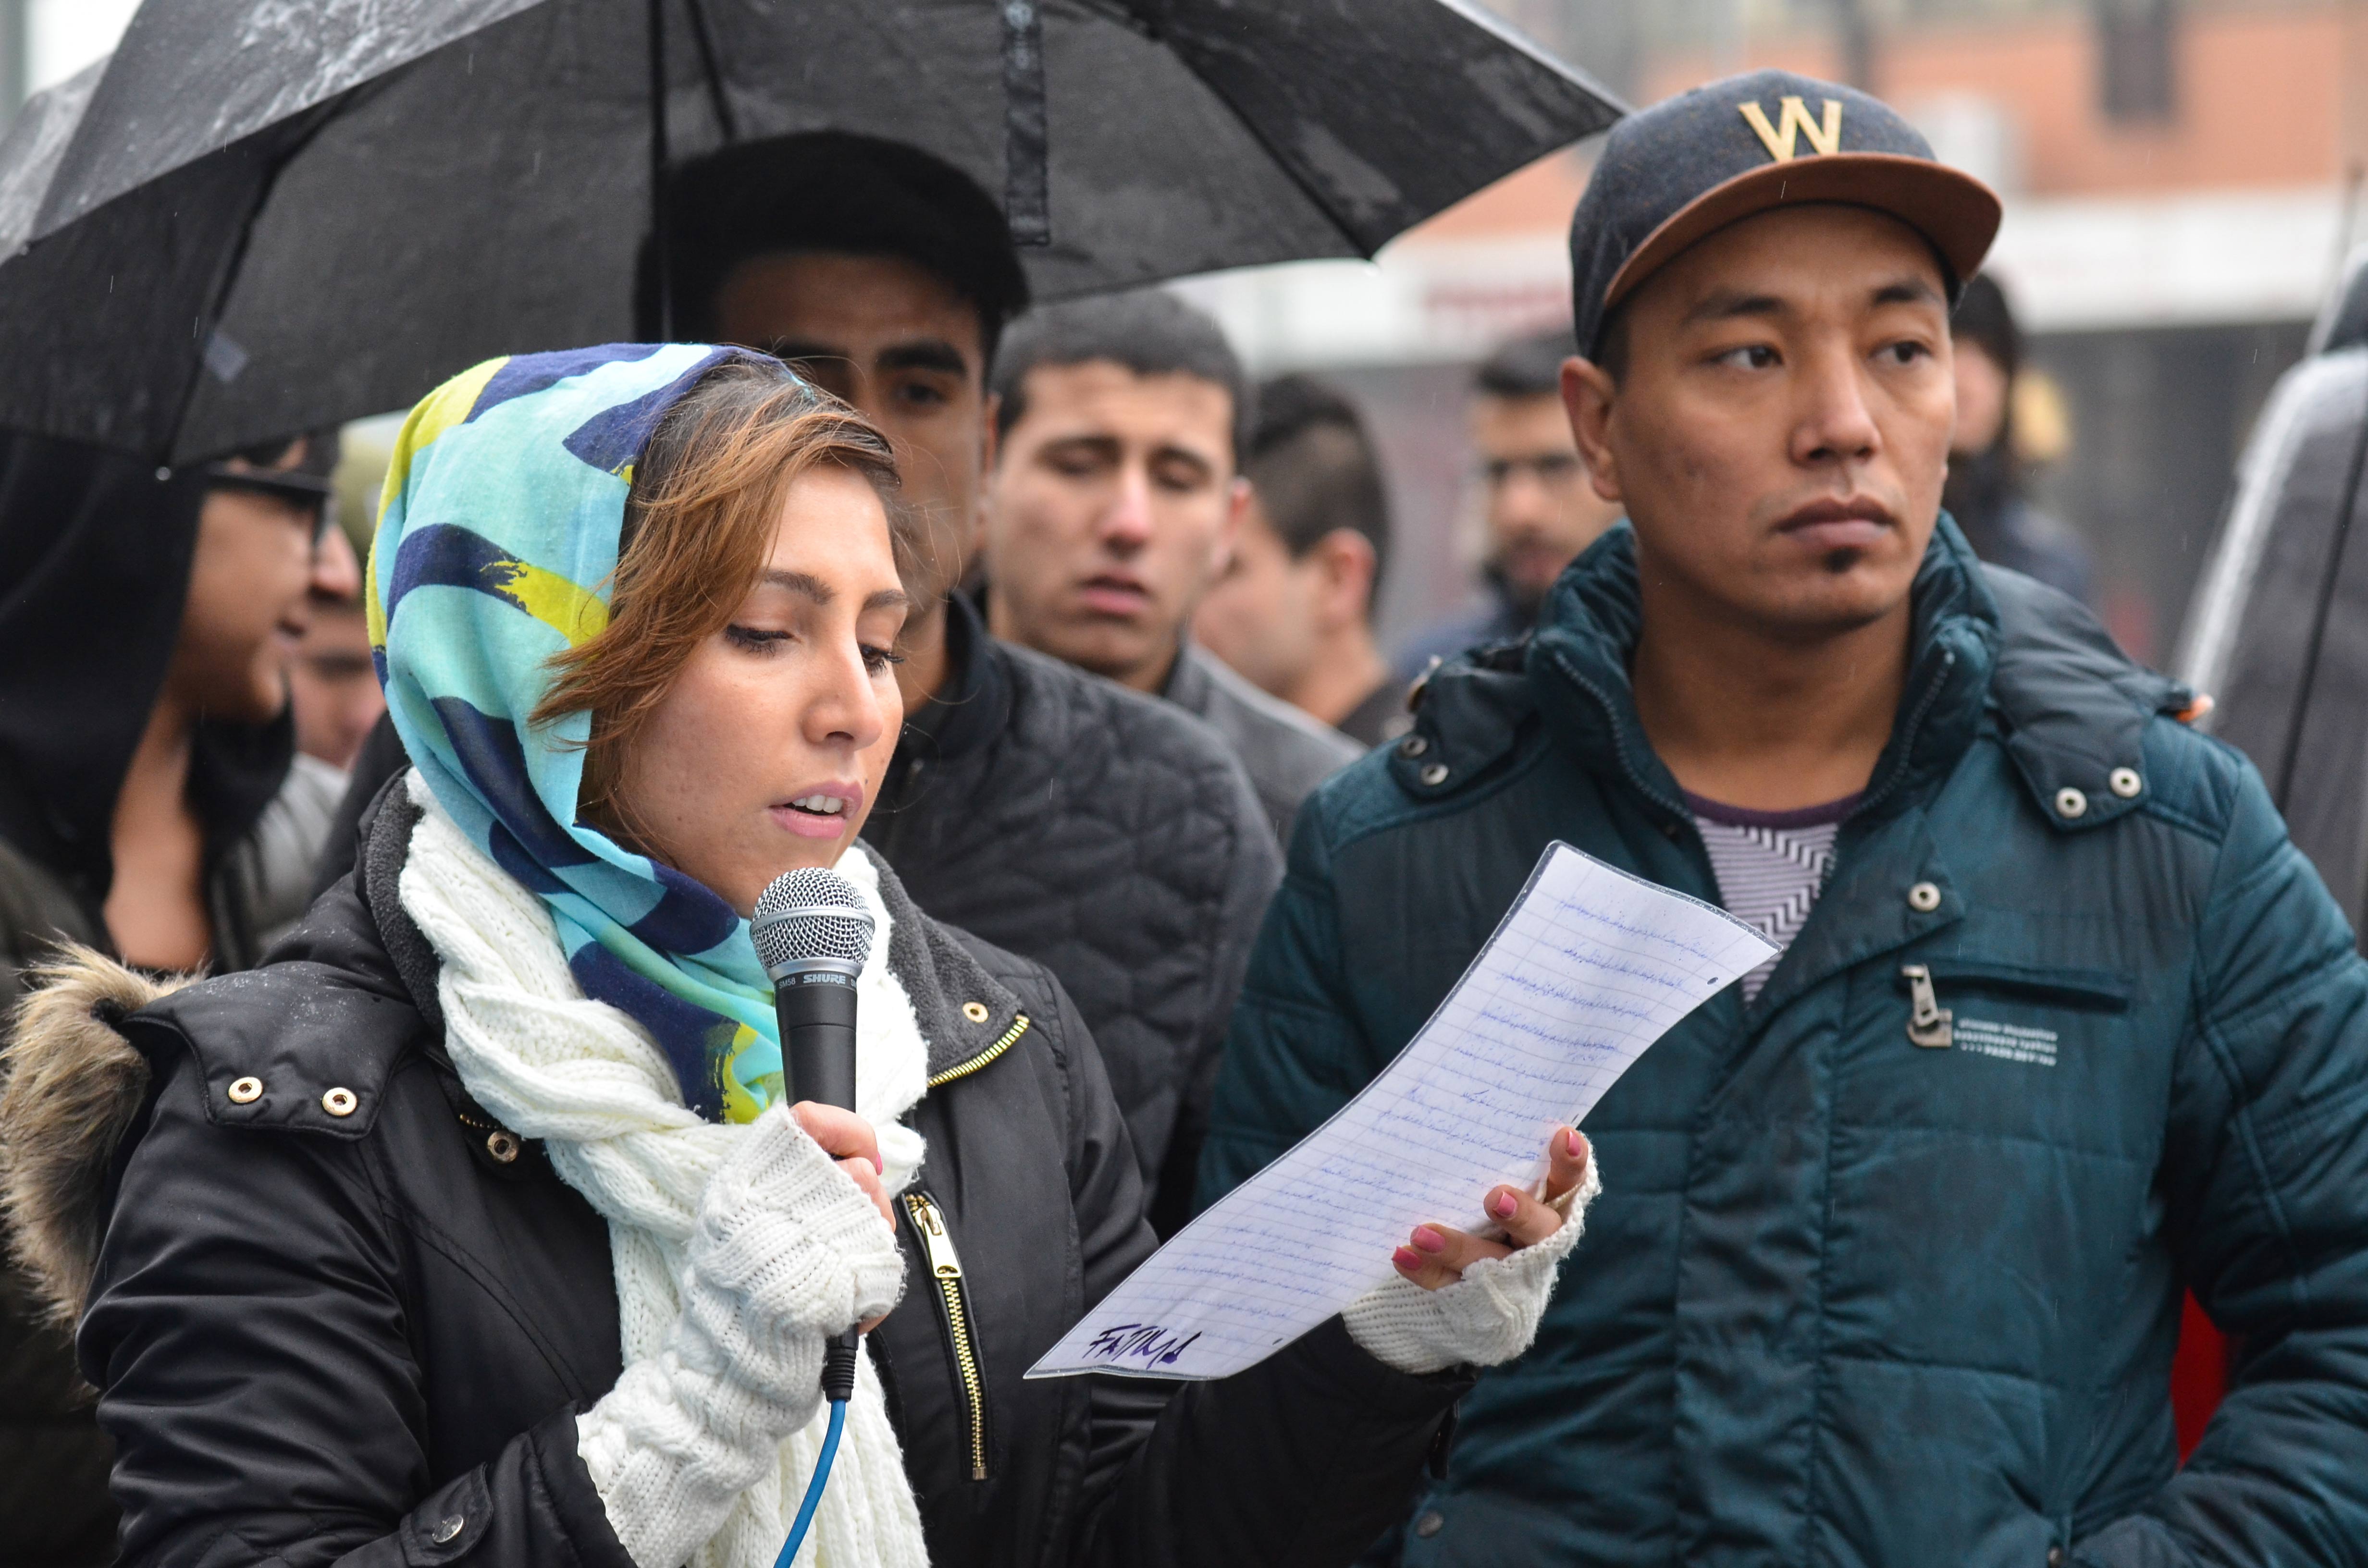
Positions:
{"x": 461, "y": 1217}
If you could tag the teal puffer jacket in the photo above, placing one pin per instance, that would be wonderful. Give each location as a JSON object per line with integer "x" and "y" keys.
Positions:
{"x": 1848, "y": 1300}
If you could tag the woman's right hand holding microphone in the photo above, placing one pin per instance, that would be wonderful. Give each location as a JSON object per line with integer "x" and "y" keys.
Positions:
{"x": 793, "y": 1245}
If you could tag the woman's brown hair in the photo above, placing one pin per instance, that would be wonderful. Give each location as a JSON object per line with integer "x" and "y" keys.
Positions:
{"x": 707, "y": 491}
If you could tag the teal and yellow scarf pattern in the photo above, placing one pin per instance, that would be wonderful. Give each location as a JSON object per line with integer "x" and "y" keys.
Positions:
{"x": 498, "y": 539}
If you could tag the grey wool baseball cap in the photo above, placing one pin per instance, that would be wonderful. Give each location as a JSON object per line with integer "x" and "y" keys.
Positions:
{"x": 1680, "y": 170}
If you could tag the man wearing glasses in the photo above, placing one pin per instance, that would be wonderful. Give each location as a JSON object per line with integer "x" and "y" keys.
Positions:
{"x": 179, "y": 897}
{"x": 1536, "y": 505}
{"x": 147, "y": 804}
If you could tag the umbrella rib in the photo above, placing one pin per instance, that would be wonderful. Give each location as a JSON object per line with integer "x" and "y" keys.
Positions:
{"x": 1132, "y": 15}
{"x": 1026, "y": 207}
{"x": 1291, "y": 170}
{"x": 703, "y": 39}
{"x": 306, "y": 124}
{"x": 2320, "y": 616}
{"x": 662, "y": 246}
{"x": 1513, "y": 37}
{"x": 1496, "y": 27}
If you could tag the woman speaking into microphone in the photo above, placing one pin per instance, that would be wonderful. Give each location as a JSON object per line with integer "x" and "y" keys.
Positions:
{"x": 472, "y": 1228}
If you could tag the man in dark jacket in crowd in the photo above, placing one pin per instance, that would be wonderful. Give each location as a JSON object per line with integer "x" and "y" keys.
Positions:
{"x": 146, "y": 804}
{"x": 1294, "y": 609}
{"x": 1102, "y": 834}
{"x": 1888, "y": 1265}
{"x": 1537, "y": 509}
{"x": 1115, "y": 502}
{"x": 1986, "y": 488}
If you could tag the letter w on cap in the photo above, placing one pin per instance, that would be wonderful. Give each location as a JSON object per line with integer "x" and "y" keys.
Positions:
{"x": 1792, "y": 119}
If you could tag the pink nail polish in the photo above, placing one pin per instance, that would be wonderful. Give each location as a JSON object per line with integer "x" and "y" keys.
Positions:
{"x": 1571, "y": 1141}
{"x": 1503, "y": 1206}
{"x": 1407, "y": 1259}
{"x": 1429, "y": 1240}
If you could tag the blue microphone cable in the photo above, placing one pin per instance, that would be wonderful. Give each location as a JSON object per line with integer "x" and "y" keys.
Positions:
{"x": 812, "y": 933}
{"x": 838, "y": 1387}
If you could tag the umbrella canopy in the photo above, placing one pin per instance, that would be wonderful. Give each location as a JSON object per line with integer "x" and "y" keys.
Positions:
{"x": 2278, "y": 633}
{"x": 249, "y": 221}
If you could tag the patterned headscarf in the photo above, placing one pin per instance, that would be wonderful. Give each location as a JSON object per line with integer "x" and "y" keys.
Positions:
{"x": 497, "y": 538}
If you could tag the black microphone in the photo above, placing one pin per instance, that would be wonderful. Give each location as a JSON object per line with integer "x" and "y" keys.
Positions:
{"x": 813, "y": 934}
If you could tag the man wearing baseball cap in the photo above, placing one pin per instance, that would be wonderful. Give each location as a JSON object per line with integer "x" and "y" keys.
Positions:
{"x": 1888, "y": 1263}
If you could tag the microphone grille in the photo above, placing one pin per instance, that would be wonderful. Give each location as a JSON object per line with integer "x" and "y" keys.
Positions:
{"x": 810, "y": 914}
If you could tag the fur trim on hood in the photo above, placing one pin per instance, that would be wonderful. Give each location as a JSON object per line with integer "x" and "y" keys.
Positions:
{"x": 70, "y": 1085}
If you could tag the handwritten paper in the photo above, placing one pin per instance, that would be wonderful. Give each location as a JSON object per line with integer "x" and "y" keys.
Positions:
{"x": 1589, "y": 967}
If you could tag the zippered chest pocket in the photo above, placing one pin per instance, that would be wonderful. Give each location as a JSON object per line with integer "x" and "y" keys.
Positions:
{"x": 2005, "y": 1049}
{"x": 2007, "y": 1011}
{"x": 1995, "y": 1128}
{"x": 948, "y": 1288}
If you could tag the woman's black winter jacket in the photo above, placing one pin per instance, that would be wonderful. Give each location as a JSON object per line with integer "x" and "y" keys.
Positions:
{"x": 363, "y": 1338}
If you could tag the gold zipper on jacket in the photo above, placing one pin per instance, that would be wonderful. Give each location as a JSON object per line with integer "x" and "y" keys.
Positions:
{"x": 964, "y": 1069}
{"x": 946, "y": 1268}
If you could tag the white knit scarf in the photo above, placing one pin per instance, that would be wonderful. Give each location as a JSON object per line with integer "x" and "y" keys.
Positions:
{"x": 591, "y": 1083}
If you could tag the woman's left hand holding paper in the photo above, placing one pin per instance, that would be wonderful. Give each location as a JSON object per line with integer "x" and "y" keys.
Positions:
{"x": 1460, "y": 1297}
{"x": 1436, "y": 1256}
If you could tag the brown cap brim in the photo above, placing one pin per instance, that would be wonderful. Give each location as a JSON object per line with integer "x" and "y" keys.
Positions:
{"x": 1957, "y": 212}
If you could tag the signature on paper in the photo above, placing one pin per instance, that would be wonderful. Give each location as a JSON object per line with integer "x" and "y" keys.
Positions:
{"x": 1144, "y": 1342}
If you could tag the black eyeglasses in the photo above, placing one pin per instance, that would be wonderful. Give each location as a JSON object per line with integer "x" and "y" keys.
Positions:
{"x": 305, "y": 490}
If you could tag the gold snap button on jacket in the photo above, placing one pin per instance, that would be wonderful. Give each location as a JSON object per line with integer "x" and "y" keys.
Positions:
{"x": 339, "y": 1102}
{"x": 1435, "y": 774}
{"x": 450, "y": 1528}
{"x": 1924, "y": 898}
{"x": 974, "y": 1011}
{"x": 2070, "y": 803}
{"x": 245, "y": 1090}
{"x": 1413, "y": 745}
{"x": 503, "y": 1146}
{"x": 2126, "y": 782}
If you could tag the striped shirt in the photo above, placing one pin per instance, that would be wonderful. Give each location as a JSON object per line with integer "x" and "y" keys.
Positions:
{"x": 1770, "y": 866}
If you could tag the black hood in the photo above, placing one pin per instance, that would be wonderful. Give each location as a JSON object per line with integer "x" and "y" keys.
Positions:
{"x": 1979, "y": 489}
{"x": 95, "y": 553}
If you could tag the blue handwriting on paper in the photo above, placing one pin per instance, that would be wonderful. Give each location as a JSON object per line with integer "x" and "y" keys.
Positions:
{"x": 1582, "y": 974}
{"x": 1593, "y": 1000}
{"x": 1645, "y": 929}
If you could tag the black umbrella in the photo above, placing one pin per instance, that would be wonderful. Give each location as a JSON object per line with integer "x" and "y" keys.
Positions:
{"x": 2278, "y": 631}
{"x": 261, "y": 215}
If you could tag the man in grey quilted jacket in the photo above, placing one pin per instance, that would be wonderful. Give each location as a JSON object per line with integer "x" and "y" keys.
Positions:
{"x": 1116, "y": 500}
